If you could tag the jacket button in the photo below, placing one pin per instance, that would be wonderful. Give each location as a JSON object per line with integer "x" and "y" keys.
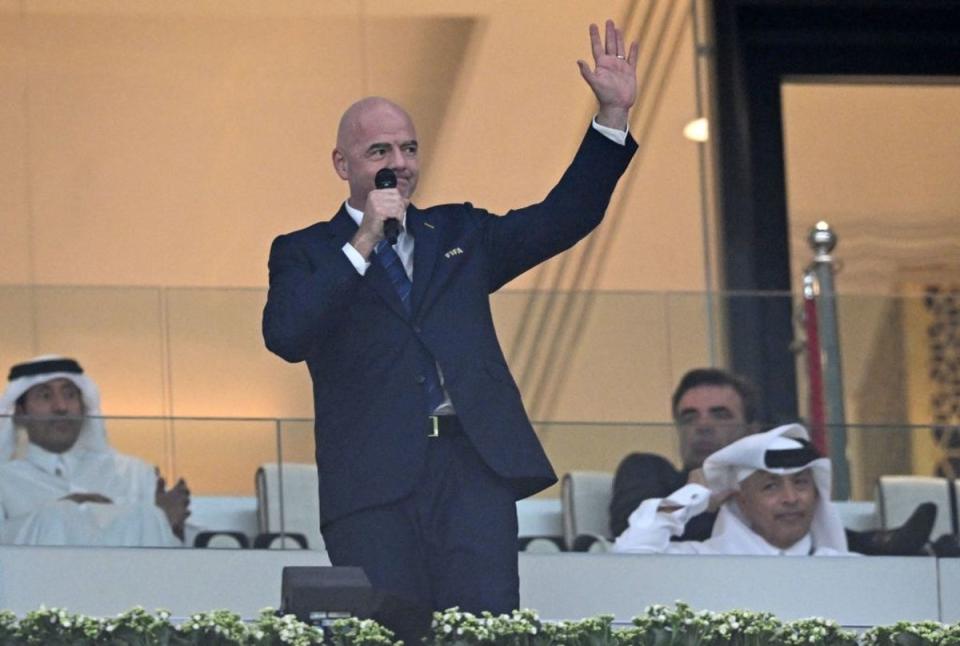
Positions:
{"x": 421, "y": 379}
{"x": 416, "y": 328}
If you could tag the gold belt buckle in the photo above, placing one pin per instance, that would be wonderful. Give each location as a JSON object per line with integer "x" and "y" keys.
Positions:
{"x": 435, "y": 431}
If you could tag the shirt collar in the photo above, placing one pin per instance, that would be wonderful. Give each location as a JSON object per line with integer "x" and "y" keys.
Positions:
{"x": 44, "y": 460}
{"x": 803, "y": 547}
{"x": 357, "y": 215}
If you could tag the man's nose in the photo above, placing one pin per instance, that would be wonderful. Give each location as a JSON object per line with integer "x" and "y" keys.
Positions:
{"x": 60, "y": 406}
{"x": 790, "y": 496}
{"x": 397, "y": 159}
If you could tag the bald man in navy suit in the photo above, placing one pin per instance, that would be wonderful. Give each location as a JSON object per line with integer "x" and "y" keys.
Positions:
{"x": 422, "y": 442}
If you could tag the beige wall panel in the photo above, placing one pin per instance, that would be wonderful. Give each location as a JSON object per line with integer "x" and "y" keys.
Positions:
{"x": 296, "y": 437}
{"x": 600, "y": 447}
{"x": 512, "y": 159}
{"x": 15, "y": 239}
{"x": 116, "y": 335}
{"x": 657, "y": 242}
{"x": 689, "y": 346}
{"x": 172, "y": 142}
{"x": 17, "y": 342}
{"x": 151, "y": 440}
{"x": 220, "y": 457}
{"x": 171, "y": 151}
{"x": 877, "y": 162}
{"x": 598, "y": 357}
{"x": 219, "y": 365}
{"x": 192, "y": 8}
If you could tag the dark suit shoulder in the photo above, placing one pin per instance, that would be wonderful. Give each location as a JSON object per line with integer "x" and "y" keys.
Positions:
{"x": 317, "y": 229}
{"x": 452, "y": 209}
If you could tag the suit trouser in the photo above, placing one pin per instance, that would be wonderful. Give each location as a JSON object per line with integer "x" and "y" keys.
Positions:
{"x": 451, "y": 542}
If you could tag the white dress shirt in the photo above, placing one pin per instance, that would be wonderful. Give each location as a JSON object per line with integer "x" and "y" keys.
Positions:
{"x": 33, "y": 511}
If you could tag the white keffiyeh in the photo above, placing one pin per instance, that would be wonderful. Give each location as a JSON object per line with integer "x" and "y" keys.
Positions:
{"x": 93, "y": 434}
{"x": 782, "y": 451}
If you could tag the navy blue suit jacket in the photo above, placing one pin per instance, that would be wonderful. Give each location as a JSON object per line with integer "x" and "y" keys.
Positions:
{"x": 362, "y": 348}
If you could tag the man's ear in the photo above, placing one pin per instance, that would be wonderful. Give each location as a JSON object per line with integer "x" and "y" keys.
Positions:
{"x": 340, "y": 164}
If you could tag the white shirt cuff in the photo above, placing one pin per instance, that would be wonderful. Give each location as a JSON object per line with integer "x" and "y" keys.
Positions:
{"x": 356, "y": 258}
{"x": 619, "y": 136}
{"x": 693, "y": 500}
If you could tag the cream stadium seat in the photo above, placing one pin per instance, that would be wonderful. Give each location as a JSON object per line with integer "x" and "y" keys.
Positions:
{"x": 586, "y": 509}
{"x": 898, "y": 496}
{"x": 293, "y": 508}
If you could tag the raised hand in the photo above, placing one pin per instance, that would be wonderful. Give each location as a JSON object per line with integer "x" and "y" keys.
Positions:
{"x": 614, "y": 77}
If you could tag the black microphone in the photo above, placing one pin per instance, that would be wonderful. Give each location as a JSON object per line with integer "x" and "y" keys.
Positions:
{"x": 386, "y": 178}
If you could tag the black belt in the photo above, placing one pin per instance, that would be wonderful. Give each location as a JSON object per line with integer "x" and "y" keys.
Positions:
{"x": 443, "y": 426}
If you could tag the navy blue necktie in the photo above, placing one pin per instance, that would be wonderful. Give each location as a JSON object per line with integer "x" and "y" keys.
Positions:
{"x": 392, "y": 264}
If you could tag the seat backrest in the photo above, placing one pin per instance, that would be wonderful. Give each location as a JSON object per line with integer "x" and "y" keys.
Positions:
{"x": 858, "y": 515}
{"x": 585, "y": 499}
{"x": 295, "y": 505}
{"x": 898, "y": 497}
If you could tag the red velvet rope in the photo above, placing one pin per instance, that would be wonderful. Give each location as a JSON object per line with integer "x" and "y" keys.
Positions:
{"x": 817, "y": 421}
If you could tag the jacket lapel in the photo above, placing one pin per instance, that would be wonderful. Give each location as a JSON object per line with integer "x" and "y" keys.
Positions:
{"x": 426, "y": 239}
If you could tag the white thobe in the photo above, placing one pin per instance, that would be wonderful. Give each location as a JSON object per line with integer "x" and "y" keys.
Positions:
{"x": 34, "y": 512}
{"x": 649, "y": 530}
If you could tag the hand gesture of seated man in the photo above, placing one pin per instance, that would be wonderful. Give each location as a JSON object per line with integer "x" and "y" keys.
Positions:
{"x": 712, "y": 408}
{"x": 773, "y": 494}
{"x": 70, "y": 487}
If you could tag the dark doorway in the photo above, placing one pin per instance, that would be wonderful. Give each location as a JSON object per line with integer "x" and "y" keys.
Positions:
{"x": 759, "y": 43}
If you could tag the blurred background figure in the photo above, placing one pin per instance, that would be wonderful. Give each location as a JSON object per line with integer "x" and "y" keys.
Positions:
{"x": 70, "y": 487}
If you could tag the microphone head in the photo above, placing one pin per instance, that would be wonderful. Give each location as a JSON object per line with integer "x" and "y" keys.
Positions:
{"x": 385, "y": 178}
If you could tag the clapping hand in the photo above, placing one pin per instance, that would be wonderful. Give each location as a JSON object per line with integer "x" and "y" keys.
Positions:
{"x": 175, "y": 503}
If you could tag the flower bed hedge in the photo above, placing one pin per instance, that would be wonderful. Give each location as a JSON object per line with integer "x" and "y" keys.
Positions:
{"x": 658, "y": 626}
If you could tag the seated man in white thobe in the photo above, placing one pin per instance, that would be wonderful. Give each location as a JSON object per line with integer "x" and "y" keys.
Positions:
{"x": 773, "y": 493}
{"x": 70, "y": 487}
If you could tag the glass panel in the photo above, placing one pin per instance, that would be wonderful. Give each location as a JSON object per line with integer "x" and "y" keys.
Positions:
{"x": 601, "y": 447}
{"x": 596, "y": 370}
{"x": 217, "y": 459}
{"x": 294, "y": 507}
{"x": 116, "y": 333}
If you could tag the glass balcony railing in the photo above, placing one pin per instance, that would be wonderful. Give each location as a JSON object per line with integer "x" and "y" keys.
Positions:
{"x": 190, "y": 388}
{"x": 596, "y": 356}
{"x": 257, "y": 477}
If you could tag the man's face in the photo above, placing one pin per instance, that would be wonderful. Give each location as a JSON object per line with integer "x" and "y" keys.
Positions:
{"x": 377, "y": 136}
{"x": 708, "y": 418}
{"x": 52, "y": 413}
{"x": 779, "y": 508}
